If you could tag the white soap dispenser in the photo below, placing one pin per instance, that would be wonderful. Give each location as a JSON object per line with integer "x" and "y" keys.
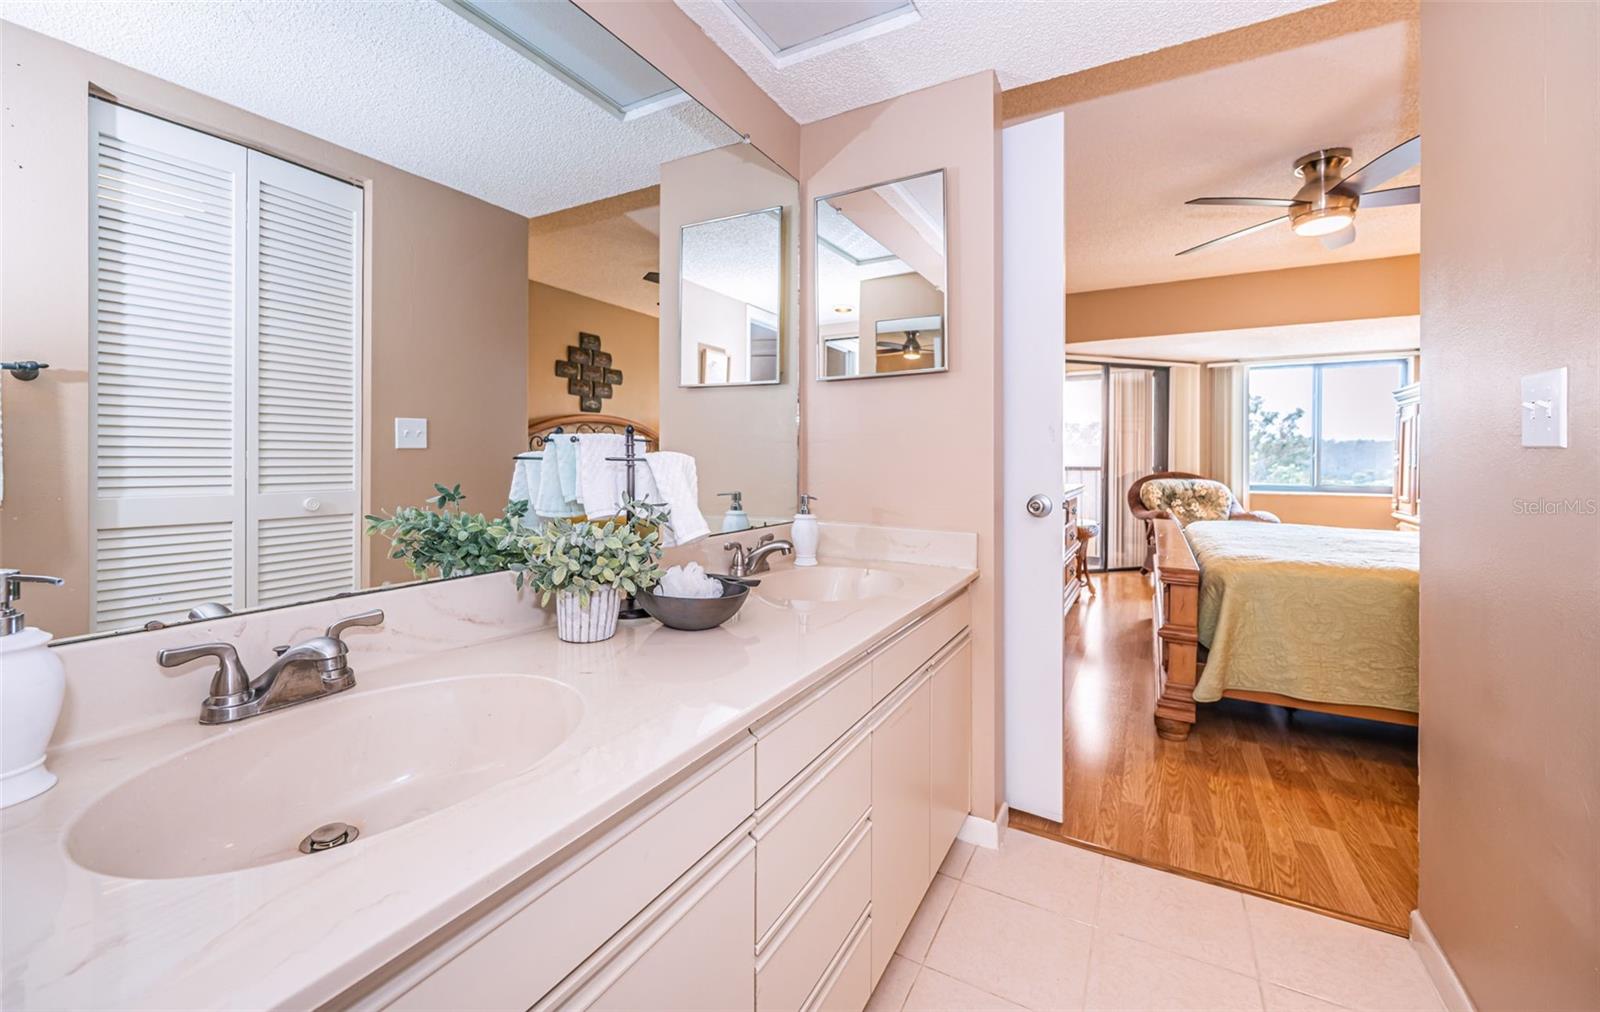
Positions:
{"x": 804, "y": 533}
{"x": 32, "y": 685}
{"x": 736, "y": 519}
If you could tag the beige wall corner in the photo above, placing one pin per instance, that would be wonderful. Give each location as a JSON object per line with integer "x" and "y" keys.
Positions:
{"x": 1439, "y": 969}
{"x": 923, "y": 451}
{"x": 663, "y": 34}
{"x": 556, "y": 317}
{"x": 1510, "y": 831}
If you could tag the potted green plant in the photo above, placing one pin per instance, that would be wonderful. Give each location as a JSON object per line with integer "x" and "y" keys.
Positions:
{"x": 588, "y": 565}
{"x": 444, "y": 539}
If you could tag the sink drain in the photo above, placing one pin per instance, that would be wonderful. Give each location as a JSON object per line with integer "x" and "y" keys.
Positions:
{"x": 334, "y": 834}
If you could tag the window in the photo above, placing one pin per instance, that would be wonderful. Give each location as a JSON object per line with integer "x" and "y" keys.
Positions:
{"x": 1326, "y": 427}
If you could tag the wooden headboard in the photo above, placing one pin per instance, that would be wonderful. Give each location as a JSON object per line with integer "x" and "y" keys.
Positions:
{"x": 540, "y": 428}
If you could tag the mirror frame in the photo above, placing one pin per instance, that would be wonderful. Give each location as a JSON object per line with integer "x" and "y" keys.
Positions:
{"x": 816, "y": 320}
{"x": 777, "y": 379}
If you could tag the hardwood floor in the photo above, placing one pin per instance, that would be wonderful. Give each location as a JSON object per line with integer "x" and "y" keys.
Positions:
{"x": 1314, "y": 809}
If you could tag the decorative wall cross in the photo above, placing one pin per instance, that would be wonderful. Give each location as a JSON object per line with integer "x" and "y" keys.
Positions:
{"x": 588, "y": 372}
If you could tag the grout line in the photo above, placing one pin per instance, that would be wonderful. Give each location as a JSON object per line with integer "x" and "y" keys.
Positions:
{"x": 1026, "y": 903}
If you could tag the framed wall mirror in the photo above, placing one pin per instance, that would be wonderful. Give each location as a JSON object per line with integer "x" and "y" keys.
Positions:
{"x": 882, "y": 305}
{"x": 729, "y": 299}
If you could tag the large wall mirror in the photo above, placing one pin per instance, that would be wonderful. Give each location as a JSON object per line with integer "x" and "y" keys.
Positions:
{"x": 305, "y": 333}
{"x": 881, "y": 265}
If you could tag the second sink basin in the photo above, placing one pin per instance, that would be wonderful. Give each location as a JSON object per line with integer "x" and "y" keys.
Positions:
{"x": 374, "y": 760}
{"x": 824, "y": 584}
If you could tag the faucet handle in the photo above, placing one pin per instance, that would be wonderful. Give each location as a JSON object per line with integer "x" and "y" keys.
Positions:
{"x": 229, "y": 685}
{"x": 373, "y": 617}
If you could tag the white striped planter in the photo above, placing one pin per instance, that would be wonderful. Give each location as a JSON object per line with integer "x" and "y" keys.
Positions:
{"x": 576, "y": 623}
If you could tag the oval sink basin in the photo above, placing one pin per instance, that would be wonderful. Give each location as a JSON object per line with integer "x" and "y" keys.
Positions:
{"x": 824, "y": 584}
{"x": 373, "y": 760}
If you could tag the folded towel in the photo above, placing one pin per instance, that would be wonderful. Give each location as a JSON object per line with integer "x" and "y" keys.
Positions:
{"x": 559, "y": 473}
{"x": 678, "y": 483}
{"x": 688, "y": 581}
{"x": 601, "y": 482}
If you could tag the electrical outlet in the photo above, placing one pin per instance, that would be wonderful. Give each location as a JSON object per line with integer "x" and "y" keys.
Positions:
{"x": 410, "y": 433}
{"x": 1544, "y": 408}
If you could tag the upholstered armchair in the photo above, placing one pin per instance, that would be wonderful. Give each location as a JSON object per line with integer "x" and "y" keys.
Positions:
{"x": 1207, "y": 500}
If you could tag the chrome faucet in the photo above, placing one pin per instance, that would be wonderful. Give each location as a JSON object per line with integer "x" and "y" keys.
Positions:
{"x": 748, "y": 563}
{"x": 318, "y": 667}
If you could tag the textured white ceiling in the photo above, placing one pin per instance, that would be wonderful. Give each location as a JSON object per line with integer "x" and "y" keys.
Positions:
{"x": 1134, "y": 157}
{"x": 1023, "y": 41}
{"x": 1346, "y": 337}
{"x": 406, "y": 82}
{"x": 739, "y": 257}
{"x": 602, "y": 251}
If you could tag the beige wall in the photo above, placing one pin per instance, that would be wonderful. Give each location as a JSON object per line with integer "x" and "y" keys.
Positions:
{"x": 1510, "y": 661}
{"x": 742, "y": 437}
{"x": 867, "y": 451}
{"x": 555, "y": 317}
{"x": 445, "y": 315}
{"x": 1358, "y": 290}
{"x": 1367, "y": 511}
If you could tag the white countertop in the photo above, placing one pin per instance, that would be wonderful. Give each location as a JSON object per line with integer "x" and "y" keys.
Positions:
{"x": 298, "y": 932}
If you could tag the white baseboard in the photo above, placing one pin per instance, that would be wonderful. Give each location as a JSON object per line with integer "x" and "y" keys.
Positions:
{"x": 982, "y": 832}
{"x": 1438, "y": 966}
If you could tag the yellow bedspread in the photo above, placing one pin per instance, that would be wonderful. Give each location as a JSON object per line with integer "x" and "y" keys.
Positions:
{"x": 1325, "y": 614}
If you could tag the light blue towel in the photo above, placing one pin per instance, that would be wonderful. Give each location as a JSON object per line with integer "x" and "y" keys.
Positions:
{"x": 558, "y": 480}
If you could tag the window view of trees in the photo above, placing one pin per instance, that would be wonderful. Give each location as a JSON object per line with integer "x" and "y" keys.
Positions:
{"x": 1326, "y": 427}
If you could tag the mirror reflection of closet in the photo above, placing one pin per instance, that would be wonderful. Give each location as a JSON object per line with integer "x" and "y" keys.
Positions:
{"x": 881, "y": 292}
{"x": 731, "y": 290}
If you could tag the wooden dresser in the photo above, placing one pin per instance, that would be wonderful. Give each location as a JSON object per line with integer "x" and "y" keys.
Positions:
{"x": 1406, "y": 508}
{"x": 1073, "y": 576}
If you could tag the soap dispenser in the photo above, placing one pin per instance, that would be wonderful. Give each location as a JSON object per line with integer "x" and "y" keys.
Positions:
{"x": 736, "y": 519}
{"x": 32, "y": 685}
{"x": 804, "y": 533}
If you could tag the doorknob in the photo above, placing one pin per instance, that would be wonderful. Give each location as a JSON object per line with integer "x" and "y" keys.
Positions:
{"x": 1039, "y": 505}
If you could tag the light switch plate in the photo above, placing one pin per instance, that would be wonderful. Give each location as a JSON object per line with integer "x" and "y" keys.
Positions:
{"x": 410, "y": 433}
{"x": 1544, "y": 408}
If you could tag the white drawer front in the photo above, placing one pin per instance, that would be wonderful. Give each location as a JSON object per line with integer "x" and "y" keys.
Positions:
{"x": 848, "y": 985}
{"x": 575, "y": 908}
{"x": 899, "y": 659}
{"x": 795, "y": 961}
{"x": 806, "y": 825}
{"x": 788, "y": 743}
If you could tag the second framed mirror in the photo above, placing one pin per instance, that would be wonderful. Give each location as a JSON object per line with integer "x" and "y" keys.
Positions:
{"x": 882, "y": 304}
{"x": 729, "y": 300}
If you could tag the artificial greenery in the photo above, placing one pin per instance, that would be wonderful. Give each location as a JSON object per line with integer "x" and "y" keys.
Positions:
{"x": 589, "y": 555}
{"x": 447, "y": 540}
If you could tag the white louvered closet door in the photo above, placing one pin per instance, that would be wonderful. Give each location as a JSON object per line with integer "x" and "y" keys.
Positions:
{"x": 304, "y": 341}
{"x": 167, "y": 324}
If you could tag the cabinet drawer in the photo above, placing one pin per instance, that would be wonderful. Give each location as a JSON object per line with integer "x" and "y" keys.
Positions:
{"x": 901, "y": 657}
{"x": 806, "y": 824}
{"x": 788, "y": 742}
{"x": 848, "y": 985}
{"x": 516, "y": 953}
{"x": 794, "y": 962}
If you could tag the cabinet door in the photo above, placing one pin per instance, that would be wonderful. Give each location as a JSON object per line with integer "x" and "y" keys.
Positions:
{"x": 949, "y": 751}
{"x": 900, "y": 804}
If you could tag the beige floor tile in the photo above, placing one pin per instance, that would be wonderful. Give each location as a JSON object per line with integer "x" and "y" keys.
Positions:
{"x": 1194, "y": 919}
{"x": 935, "y": 991}
{"x": 955, "y": 862}
{"x": 919, "y": 934}
{"x": 1338, "y": 961}
{"x": 1282, "y": 999}
{"x": 1022, "y": 953}
{"x": 1125, "y": 973}
{"x": 1047, "y": 874}
{"x": 893, "y": 986}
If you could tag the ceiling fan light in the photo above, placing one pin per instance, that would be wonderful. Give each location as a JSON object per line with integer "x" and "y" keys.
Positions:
{"x": 912, "y": 354}
{"x": 844, "y": 310}
{"x": 1323, "y": 221}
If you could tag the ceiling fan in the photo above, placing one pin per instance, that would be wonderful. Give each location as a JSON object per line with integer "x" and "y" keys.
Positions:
{"x": 1325, "y": 207}
{"x": 910, "y": 348}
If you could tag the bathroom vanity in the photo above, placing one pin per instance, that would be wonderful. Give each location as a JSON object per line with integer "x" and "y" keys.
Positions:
{"x": 741, "y": 818}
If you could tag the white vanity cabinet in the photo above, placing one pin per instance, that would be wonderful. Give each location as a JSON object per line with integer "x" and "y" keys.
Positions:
{"x": 778, "y": 877}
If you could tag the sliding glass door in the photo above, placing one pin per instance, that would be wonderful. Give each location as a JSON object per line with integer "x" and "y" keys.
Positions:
{"x": 1115, "y": 432}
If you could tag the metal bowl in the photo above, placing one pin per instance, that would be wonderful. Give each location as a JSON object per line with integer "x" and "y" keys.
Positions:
{"x": 695, "y": 613}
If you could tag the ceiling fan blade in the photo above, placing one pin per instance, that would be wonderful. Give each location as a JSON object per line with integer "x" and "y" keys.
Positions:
{"x": 1384, "y": 167}
{"x": 1392, "y": 197}
{"x": 1343, "y": 237}
{"x": 1245, "y": 201}
{"x": 1234, "y": 235}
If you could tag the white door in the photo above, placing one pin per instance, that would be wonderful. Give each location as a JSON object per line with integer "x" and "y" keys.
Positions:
{"x": 166, "y": 324}
{"x": 1034, "y": 348}
{"x": 304, "y": 340}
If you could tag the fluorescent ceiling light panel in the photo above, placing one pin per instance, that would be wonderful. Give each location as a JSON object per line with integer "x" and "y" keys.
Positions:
{"x": 792, "y": 30}
{"x": 559, "y": 37}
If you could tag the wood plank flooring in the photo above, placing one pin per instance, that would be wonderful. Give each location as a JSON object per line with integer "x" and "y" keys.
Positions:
{"x": 1309, "y": 808}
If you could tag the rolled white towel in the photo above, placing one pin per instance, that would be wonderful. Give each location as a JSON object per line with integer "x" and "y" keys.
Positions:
{"x": 688, "y": 581}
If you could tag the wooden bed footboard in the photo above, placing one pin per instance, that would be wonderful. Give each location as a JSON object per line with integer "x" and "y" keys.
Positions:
{"x": 1176, "y": 629}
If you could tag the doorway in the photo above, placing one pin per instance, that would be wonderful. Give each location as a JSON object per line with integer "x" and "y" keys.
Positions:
{"x": 1114, "y": 431}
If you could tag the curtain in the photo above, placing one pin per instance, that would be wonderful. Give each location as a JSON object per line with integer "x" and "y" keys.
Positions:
{"x": 1132, "y": 452}
{"x": 1225, "y": 433}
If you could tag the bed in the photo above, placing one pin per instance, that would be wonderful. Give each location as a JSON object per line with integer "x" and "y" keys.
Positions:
{"x": 1314, "y": 618}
